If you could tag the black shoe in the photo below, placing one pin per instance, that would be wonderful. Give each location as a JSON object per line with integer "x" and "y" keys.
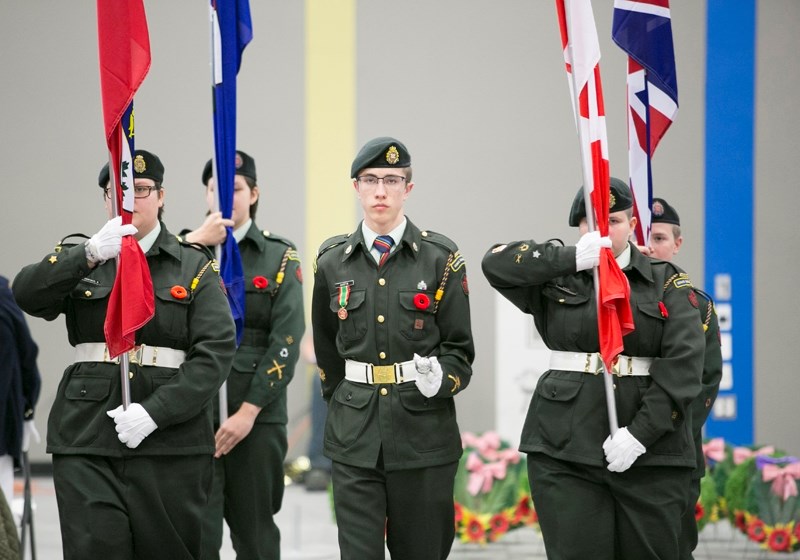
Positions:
{"x": 317, "y": 480}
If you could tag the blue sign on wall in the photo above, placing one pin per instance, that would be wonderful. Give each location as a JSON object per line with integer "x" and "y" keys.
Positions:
{"x": 729, "y": 136}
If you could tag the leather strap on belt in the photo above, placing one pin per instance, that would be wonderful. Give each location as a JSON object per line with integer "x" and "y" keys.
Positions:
{"x": 361, "y": 372}
{"x": 592, "y": 363}
{"x": 143, "y": 355}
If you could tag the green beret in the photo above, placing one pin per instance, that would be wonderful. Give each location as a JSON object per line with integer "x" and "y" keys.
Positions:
{"x": 621, "y": 199}
{"x": 663, "y": 213}
{"x": 146, "y": 165}
{"x": 244, "y": 164}
{"x": 380, "y": 152}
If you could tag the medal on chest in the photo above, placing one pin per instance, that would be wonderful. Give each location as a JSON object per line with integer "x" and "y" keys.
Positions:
{"x": 344, "y": 297}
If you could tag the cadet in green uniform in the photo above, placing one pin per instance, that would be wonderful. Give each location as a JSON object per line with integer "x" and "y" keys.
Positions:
{"x": 252, "y": 442}
{"x": 591, "y": 503}
{"x": 137, "y": 489}
{"x": 665, "y": 242}
{"x": 393, "y": 343}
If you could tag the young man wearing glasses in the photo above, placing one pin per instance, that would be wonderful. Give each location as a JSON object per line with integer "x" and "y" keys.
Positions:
{"x": 393, "y": 343}
{"x": 134, "y": 483}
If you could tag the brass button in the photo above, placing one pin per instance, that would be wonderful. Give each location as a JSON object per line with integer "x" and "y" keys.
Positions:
{"x": 382, "y": 282}
{"x": 561, "y": 300}
{"x": 130, "y": 375}
{"x": 382, "y": 355}
{"x": 674, "y": 414}
{"x": 708, "y": 403}
{"x": 424, "y": 234}
{"x": 88, "y": 293}
{"x": 384, "y": 391}
{"x": 381, "y": 318}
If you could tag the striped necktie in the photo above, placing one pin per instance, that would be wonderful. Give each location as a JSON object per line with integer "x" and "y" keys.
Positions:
{"x": 383, "y": 243}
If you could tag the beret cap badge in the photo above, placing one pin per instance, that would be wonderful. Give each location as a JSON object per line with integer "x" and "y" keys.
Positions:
{"x": 612, "y": 200}
{"x": 139, "y": 164}
{"x": 658, "y": 208}
{"x": 392, "y": 155}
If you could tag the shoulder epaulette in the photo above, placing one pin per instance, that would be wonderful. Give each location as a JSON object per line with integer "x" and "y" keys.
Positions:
{"x": 327, "y": 245}
{"x": 679, "y": 279}
{"x": 439, "y": 239}
{"x": 197, "y": 246}
{"x": 63, "y": 241}
{"x": 272, "y": 237}
{"x": 710, "y": 311}
{"x": 332, "y": 242}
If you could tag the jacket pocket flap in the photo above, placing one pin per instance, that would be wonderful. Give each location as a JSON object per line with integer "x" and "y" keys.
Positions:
{"x": 651, "y": 309}
{"x": 562, "y": 389}
{"x": 85, "y": 388}
{"x": 175, "y": 294}
{"x": 414, "y": 401}
{"x": 564, "y": 295}
{"x": 354, "y": 301}
{"x": 408, "y": 301}
{"x": 354, "y": 395}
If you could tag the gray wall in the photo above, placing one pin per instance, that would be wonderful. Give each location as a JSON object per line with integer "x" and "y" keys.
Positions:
{"x": 476, "y": 90}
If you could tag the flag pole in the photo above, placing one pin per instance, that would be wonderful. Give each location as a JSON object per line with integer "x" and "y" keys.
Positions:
{"x": 611, "y": 404}
{"x": 124, "y": 365}
{"x": 223, "y": 390}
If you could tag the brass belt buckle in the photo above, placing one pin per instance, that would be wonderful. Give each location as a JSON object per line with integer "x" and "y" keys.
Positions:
{"x": 383, "y": 374}
{"x": 614, "y": 366}
{"x": 135, "y": 355}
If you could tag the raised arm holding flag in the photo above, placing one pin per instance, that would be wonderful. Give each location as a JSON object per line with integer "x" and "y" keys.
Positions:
{"x": 625, "y": 492}
{"x": 131, "y": 478}
{"x": 124, "y": 52}
{"x": 582, "y": 58}
{"x": 231, "y": 31}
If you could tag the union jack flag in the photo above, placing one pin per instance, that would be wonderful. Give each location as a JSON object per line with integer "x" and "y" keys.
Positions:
{"x": 643, "y": 29}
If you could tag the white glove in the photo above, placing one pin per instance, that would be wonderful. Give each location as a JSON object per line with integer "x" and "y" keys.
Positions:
{"x": 29, "y": 431}
{"x": 622, "y": 450}
{"x": 430, "y": 375}
{"x": 106, "y": 243}
{"x": 587, "y": 250}
{"x": 133, "y": 425}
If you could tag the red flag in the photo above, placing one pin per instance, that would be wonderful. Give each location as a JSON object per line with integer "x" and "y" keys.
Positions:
{"x": 124, "y": 48}
{"x": 582, "y": 57}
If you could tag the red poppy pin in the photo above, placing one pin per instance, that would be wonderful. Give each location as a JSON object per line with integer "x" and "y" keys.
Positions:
{"x": 422, "y": 301}
{"x": 663, "y": 309}
{"x": 260, "y": 282}
{"x": 178, "y": 292}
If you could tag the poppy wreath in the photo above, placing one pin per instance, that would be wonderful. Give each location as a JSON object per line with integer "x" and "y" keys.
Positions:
{"x": 707, "y": 509}
{"x": 722, "y": 458}
{"x": 762, "y": 497}
{"x": 492, "y": 495}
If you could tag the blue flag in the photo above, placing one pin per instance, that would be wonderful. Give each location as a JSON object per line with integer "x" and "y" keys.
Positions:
{"x": 231, "y": 30}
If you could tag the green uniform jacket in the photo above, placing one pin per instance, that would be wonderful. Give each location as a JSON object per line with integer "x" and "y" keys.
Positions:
{"x": 567, "y": 417}
{"x": 178, "y": 400}
{"x": 712, "y": 375}
{"x": 273, "y": 326}
{"x": 384, "y": 326}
